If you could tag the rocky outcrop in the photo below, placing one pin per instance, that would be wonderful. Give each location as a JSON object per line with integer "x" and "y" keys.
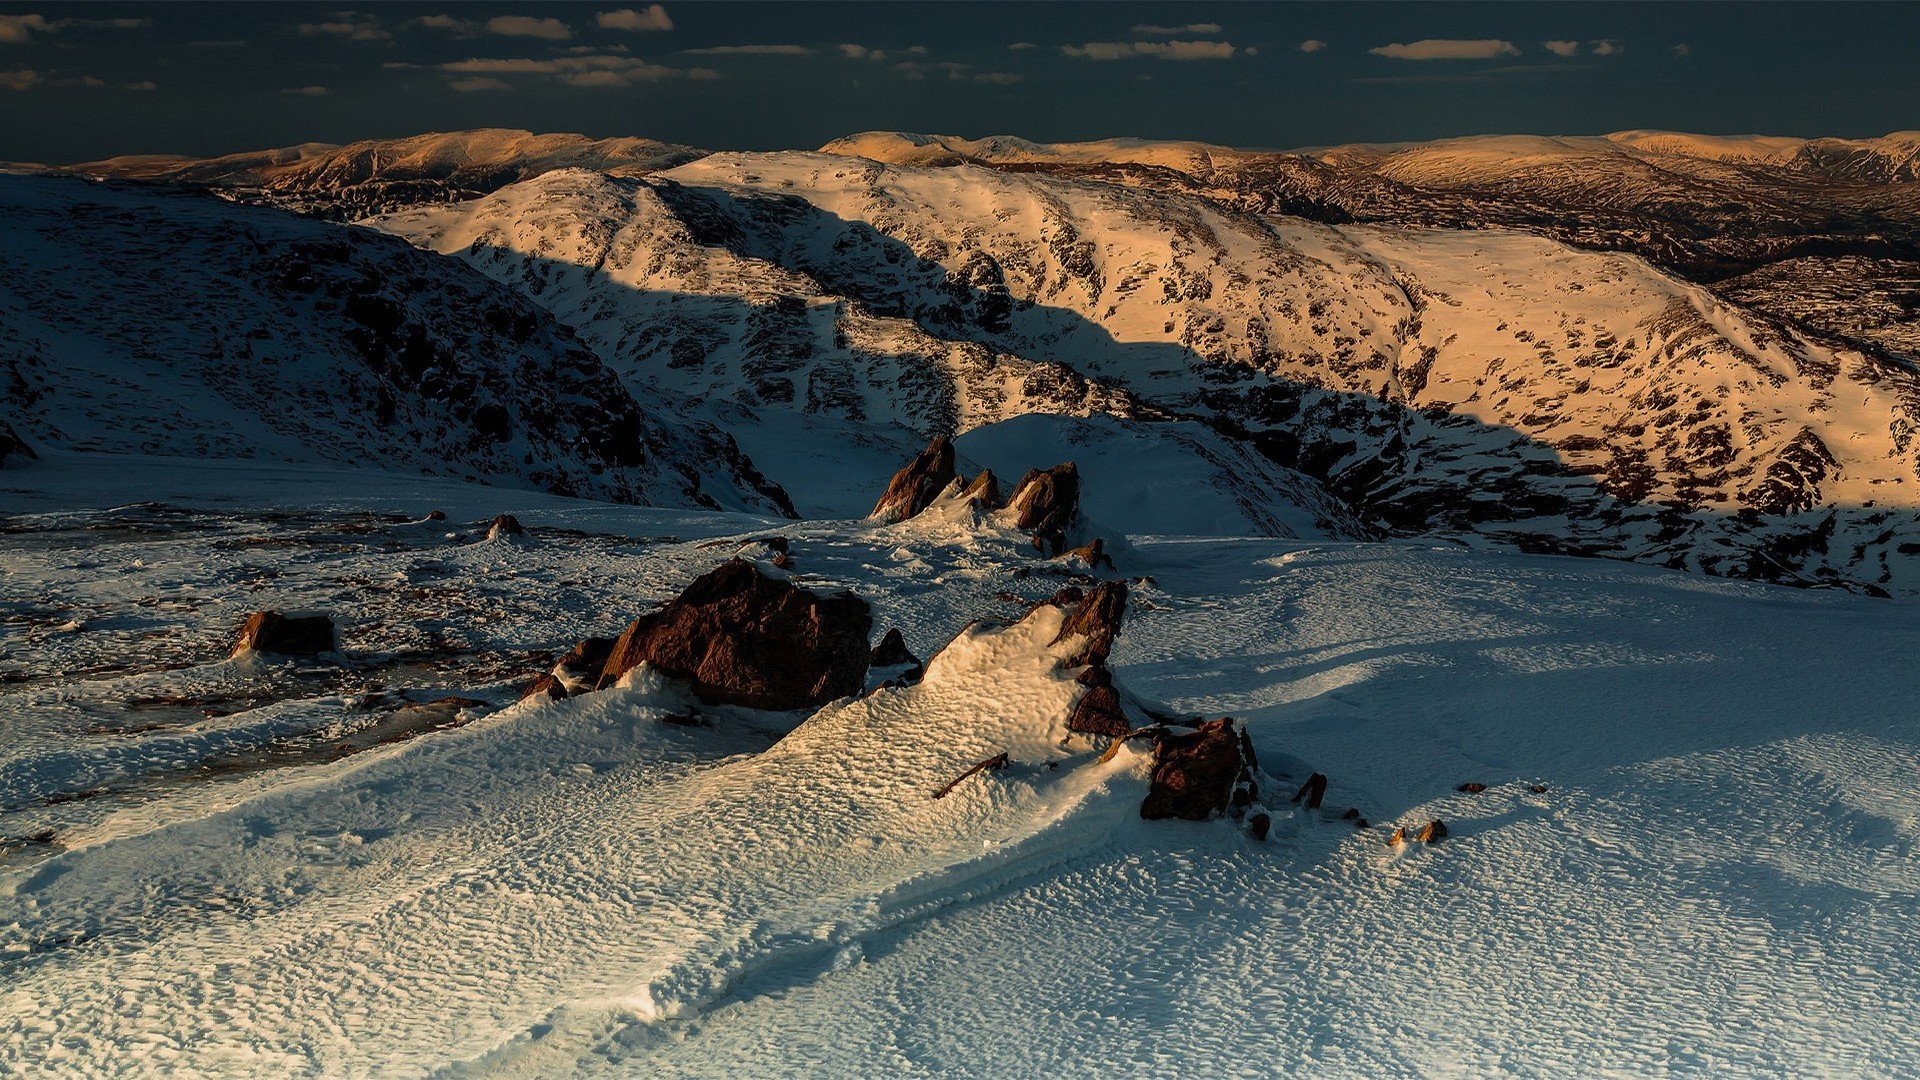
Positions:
{"x": 739, "y": 637}
{"x": 504, "y": 525}
{"x": 983, "y": 491}
{"x": 272, "y": 632}
{"x": 12, "y": 446}
{"x": 1095, "y": 619}
{"x": 1045, "y": 503}
{"x": 1093, "y": 555}
{"x": 1201, "y": 774}
{"x": 915, "y": 487}
{"x": 892, "y": 652}
{"x": 1098, "y": 711}
{"x": 574, "y": 673}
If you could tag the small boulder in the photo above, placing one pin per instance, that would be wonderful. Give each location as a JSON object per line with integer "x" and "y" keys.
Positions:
{"x": 892, "y": 652}
{"x": 1096, "y": 620}
{"x": 436, "y": 515}
{"x": 1314, "y": 790}
{"x": 1098, "y": 711}
{"x": 1259, "y": 824}
{"x": 1537, "y": 789}
{"x": 742, "y": 638}
{"x": 504, "y": 525}
{"x": 1471, "y": 788}
{"x": 1045, "y": 503}
{"x": 915, "y": 487}
{"x": 574, "y": 673}
{"x": 1432, "y": 832}
{"x": 1093, "y": 555}
{"x": 13, "y": 446}
{"x": 1200, "y": 774}
{"x": 1399, "y": 837}
{"x": 272, "y": 632}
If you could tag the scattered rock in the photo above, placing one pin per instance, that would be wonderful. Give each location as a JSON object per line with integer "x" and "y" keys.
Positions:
{"x": 1432, "y": 833}
{"x": 13, "y": 446}
{"x": 504, "y": 525}
{"x": 783, "y": 561}
{"x": 1096, "y": 619}
{"x": 1093, "y": 555}
{"x": 742, "y": 638}
{"x": 436, "y": 515}
{"x": 1399, "y": 837}
{"x": 997, "y": 761}
{"x": 1537, "y": 789}
{"x": 915, "y": 487}
{"x": 1314, "y": 790}
{"x": 1045, "y": 503}
{"x": 1258, "y": 825}
{"x": 1360, "y": 823}
{"x": 1352, "y": 814}
{"x": 1472, "y": 788}
{"x": 272, "y": 632}
{"x": 1200, "y": 774}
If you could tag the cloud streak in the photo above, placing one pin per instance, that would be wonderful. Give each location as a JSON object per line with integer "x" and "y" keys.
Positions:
{"x": 599, "y": 70}
{"x": 650, "y": 18}
{"x": 528, "y": 26}
{"x": 1163, "y": 50}
{"x": 1175, "y": 31}
{"x": 1447, "y": 49}
{"x": 750, "y": 50}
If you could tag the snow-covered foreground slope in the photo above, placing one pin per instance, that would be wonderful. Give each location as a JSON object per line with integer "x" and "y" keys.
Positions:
{"x": 1717, "y": 877}
{"x": 1485, "y": 382}
{"x": 152, "y": 322}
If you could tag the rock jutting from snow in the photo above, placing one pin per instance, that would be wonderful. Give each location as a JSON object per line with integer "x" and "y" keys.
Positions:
{"x": 272, "y": 632}
{"x": 1093, "y": 555}
{"x": 915, "y": 486}
{"x": 12, "y": 445}
{"x": 573, "y": 673}
{"x": 1045, "y": 503}
{"x": 983, "y": 491}
{"x": 1098, "y": 711}
{"x": 892, "y": 652}
{"x": 504, "y": 525}
{"x": 742, "y": 638}
{"x": 1096, "y": 619}
{"x": 1201, "y": 774}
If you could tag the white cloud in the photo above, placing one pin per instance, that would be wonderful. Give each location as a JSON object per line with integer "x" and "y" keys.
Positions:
{"x": 474, "y": 84}
{"x": 1448, "y": 49}
{"x": 750, "y": 50}
{"x": 1561, "y": 48}
{"x": 1607, "y": 47}
{"x": 1020, "y": 46}
{"x": 18, "y": 80}
{"x": 449, "y": 23}
{"x": 1164, "y": 50}
{"x": 1176, "y": 31}
{"x": 651, "y": 17}
{"x": 1312, "y": 45}
{"x": 528, "y": 26}
{"x": 1682, "y": 50}
{"x": 348, "y": 25}
{"x": 307, "y": 91}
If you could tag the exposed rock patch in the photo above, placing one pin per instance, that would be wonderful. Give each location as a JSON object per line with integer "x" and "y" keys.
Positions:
{"x": 1096, "y": 619}
{"x": 915, "y": 487}
{"x": 1045, "y": 503}
{"x": 272, "y": 632}
{"x": 742, "y": 638}
{"x": 892, "y": 652}
{"x": 504, "y": 525}
{"x": 1201, "y": 774}
{"x": 574, "y": 673}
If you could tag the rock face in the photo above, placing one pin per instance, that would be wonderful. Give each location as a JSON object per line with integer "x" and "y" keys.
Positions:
{"x": 893, "y": 652}
{"x": 983, "y": 491}
{"x": 1045, "y": 502}
{"x": 741, "y": 638}
{"x": 504, "y": 525}
{"x": 1097, "y": 619}
{"x": 272, "y": 632}
{"x": 12, "y": 445}
{"x": 1201, "y": 774}
{"x": 918, "y": 484}
{"x": 1098, "y": 711}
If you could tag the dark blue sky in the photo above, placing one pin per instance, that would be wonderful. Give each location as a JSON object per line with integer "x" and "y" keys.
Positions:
{"x": 80, "y": 81}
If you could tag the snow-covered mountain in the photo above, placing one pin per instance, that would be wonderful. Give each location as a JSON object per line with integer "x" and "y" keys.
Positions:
{"x": 143, "y": 321}
{"x": 379, "y": 174}
{"x": 1487, "y": 383}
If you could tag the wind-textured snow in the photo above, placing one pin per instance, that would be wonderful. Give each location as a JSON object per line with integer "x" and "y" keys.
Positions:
{"x": 1718, "y": 876}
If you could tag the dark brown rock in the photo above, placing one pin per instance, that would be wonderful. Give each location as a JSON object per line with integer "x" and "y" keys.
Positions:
{"x": 436, "y": 515}
{"x": 1096, "y": 619}
{"x": 1200, "y": 773}
{"x": 1046, "y": 502}
{"x": 914, "y": 487}
{"x": 1399, "y": 837}
{"x": 1471, "y": 788}
{"x": 13, "y": 446}
{"x": 504, "y": 525}
{"x": 892, "y": 651}
{"x": 573, "y": 673}
{"x": 983, "y": 491}
{"x": 1314, "y": 790}
{"x": 272, "y": 632}
{"x": 1258, "y": 825}
{"x": 1093, "y": 554}
{"x": 1537, "y": 789}
{"x": 1432, "y": 832}
{"x": 1098, "y": 711}
{"x": 742, "y": 638}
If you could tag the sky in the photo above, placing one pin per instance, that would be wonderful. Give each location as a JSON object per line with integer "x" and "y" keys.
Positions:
{"x": 80, "y": 81}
